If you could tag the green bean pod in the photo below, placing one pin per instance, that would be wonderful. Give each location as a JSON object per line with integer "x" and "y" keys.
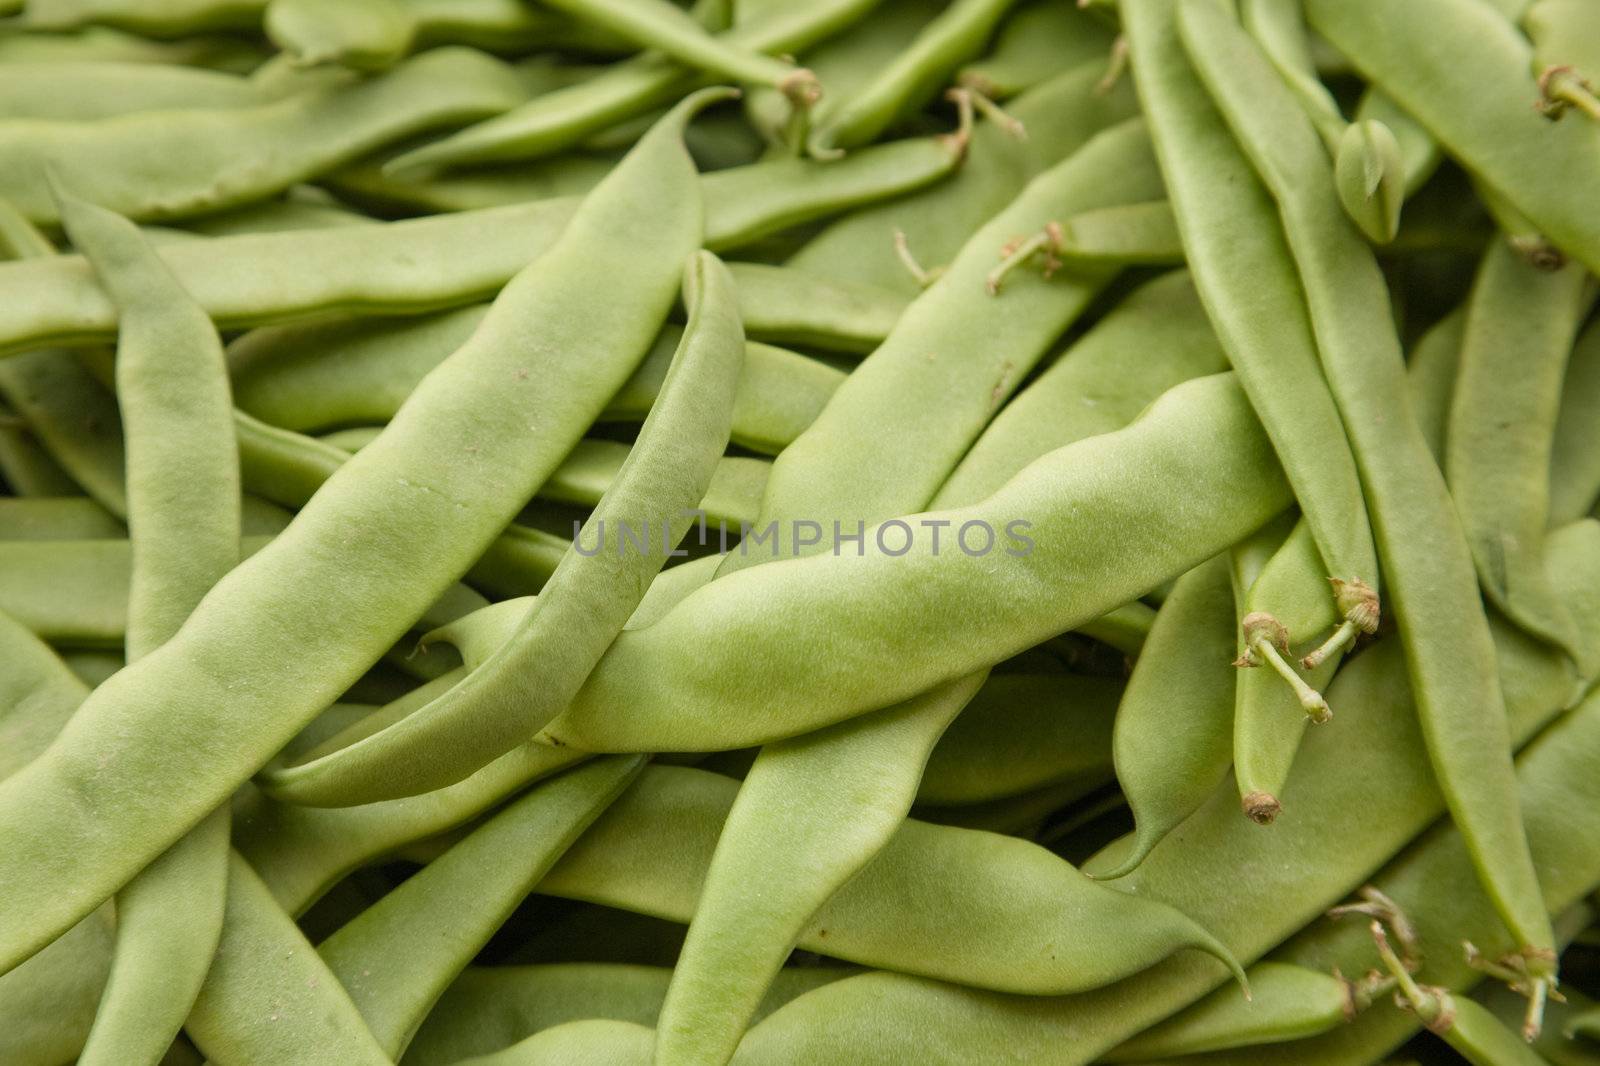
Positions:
{"x": 1575, "y": 454}
{"x": 1466, "y": 73}
{"x": 1286, "y": 1002}
{"x": 94, "y": 89}
{"x": 1431, "y": 375}
{"x": 674, "y": 32}
{"x": 1004, "y": 941}
{"x": 184, "y": 530}
{"x": 1348, "y": 829}
{"x": 1427, "y": 561}
{"x": 89, "y": 43}
{"x": 1060, "y": 115}
{"x": 441, "y": 918}
{"x": 955, "y": 36}
{"x": 229, "y": 1023}
{"x": 58, "y": 518}
{"x": 515, "y": 692}
{"x": 359, "y": 34}
{"x": 489, "y": 1008}
{"x": 167, "y": 165}
{"x": 1036, "y": 41}
{"x": 344, "y": 581}
{"x": 561, "y": 119}
{"x": 1246, "y": 282}
{"x": 1174, "y": 729}
{"x": 1520, "y": 327}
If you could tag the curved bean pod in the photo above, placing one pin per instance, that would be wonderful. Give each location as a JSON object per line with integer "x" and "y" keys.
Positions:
{"x": 1241, "y": 273}
{"x": 489, "y": 1008}
{"x": 1006, "y": 941}
{"x": 515, "y": 692}
{"x": 1287, "y": 1002}
{"x": 439, "y": 919}
{"x": 1173, "y": 735}
{"x": 184, "y": 531}
{"x": 344, "y": 580}
{"x": 566, "y": 117}
{"x": 1466, "y": 73}
{"x": 1521, "y": 323}
{"x": 166, "y": 165}
{"x": 1158, "y": 453}
{"x": 1575, "y": 454}
{"x": 733, "y": 495}
{"x": 1060, "y": 115}
{"x": 1427, "y": 561}
{"x": 955, "y": 36}
{"x": 57, "y": 518}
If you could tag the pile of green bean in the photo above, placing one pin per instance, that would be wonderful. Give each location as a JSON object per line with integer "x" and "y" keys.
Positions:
{"x": 566, "y": 532}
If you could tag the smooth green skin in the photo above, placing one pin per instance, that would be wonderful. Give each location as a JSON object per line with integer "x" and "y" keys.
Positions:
{"x": 74, "y": 417}
{"x": 1428, "y": 566}
{"x": 1173, "y": 738}
{"x": 489, "y": 1008}
{"x": 674, "y": 32}
{"x": 1351, "y": 811}
{"x": 170, "y": 165}
{"x": 328, "y": 596}
{"x": 1199, "y": 443}
{"x": 1005, "y": 913}
{"x": 1060, "y": 115}
{"x": 71, "y": 593}
{"x": 399, "y": 955}
{"x": 516, "y": 691}
{"x": 1575, "y": 452}
{"x": 95, "y": 89}
{"x": 1286, "y": 1003}
{"x": 275, "y": 216}
{"x": 956, "y": 35}
{"x": 589, "y": 1042}
{"x": 263, "y": 949}
{"x": 184, "y": 523}
{"x": 1156, "y": 337}
{"x": 564, "y": 118}
{"x": 1034, "y": 43}
{"x": 365, "y": 184}
{"x": 1563, "y": 33}
{"x": 1268, "y": 721}
{"x": 360, "y": 34}
{"x": 1466, "y": 74}
{"x": 1520, "y": 327}
{"x": 1431, "y": 377}
{"x": 57, "y": 518}
{"x": 1019, "y": 733}
{"x": 403, "y": 267}
{"x": 1246, "y": 282}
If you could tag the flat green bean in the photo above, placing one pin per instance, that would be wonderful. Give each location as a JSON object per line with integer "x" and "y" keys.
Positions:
{"x": 515, "y": 691}
{"x": 1246, "y": 282}
{"x": 566, "y": 117}
{"x": 956, "y": 35}
{"x": 1520, "y": 327}
{"x": 184, "y": 532}
{"x": 733, "y": 495}
{"x": 346, "y": 553}
{"x": 668, "y": 822}
{"x": 1431, "y": 373}
{"x": 1420, "y": 539}
{"x": 168, "y": 165}
{"x": 56, "y": 518}
{"x": 105, "y": 44}
{"x": 1174, "y": 729}
{"x": 1466, "y": 73}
